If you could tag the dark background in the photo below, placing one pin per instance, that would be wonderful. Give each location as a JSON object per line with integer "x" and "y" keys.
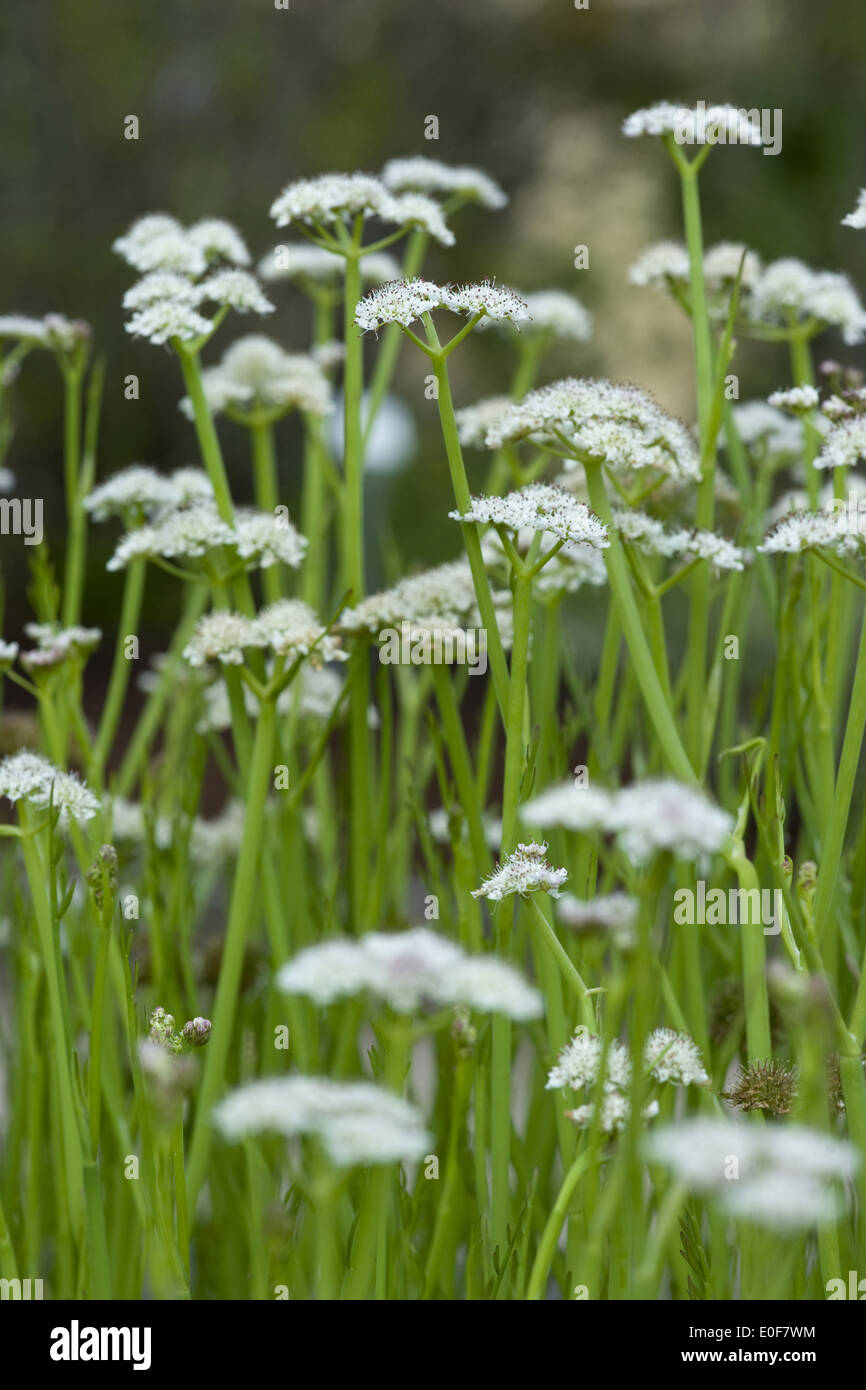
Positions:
{"x": 235, "y": 99}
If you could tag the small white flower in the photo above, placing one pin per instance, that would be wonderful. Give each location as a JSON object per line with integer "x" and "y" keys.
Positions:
{"x": 473, "y": 421}
{"x": 291, "y": 629}
{"x": 802, "y": 531}
{"x": 217, "y": 238}
{"x": 694, "y": 125}
{"x": 759, "y": 425}
{"x": 660, "y": 265}
{"x": 785, "y": 1172}
{"x": 159, "y": 242}
{"x": 408, "y": 970}
{"x": 857, "y": 218}
{"x": 403, "y": 301}
{"x": 615, "y": 913}
{"x": 615, "y": 1111}
{"x": 236, "y": 289}
{"x": 8, "y": 653}
{"x": 164, "y": 319}
{"x": 54, "y": 644}
{"x": 256, "y": 373}
{"x": 845, "y": 445}
{"x": 789, "y": 287}
{"x": 557, "y": 313}
{"x": 674, "y": 1057}
{"x": 158, "y": 287}
{"x": 648, "y": 818}
{"x": 360, "y": 1124}
{"x": 29, "y": 777}
{"x": 422, "y": 175}
{"x": 795, "y": 398}
{"x": 525, "y": 870}
{"x": 539, "y": 507}
{"x": 220, "y": 636}
{"x": 579, "y": 1061}
{"x": 619, "y": 426}
{"x": 722, "y": 266}
{"x": 20, "y": 326}
{"x": 136, "y": 487}
{"x": 336, "y": 197}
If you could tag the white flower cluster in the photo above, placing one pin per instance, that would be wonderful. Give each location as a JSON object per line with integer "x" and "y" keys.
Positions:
{"x": 335, "y": 197}
{"x": 256, "y": 374}
{"x": 553, "y": 314}
{"x": 166, "y": 302}
{"x": 539, "y": 507}
{"x": 473, "y": 421}
{"x": 575, "y": 563}
{"x": 614, "y": 914}
{"x": 302, "y": 261}
{"x": 53, "y": 331}
{"x": 403, "y": 301}
{"x": 615, "y": 1111}
{"x": 786, "y": 1173}
{"x": 760, "y": 426}
{"x": 421, "y": 175}
{"x": 647, "y": 818}
{"x": 669, "y": 1058}
{"x": 648, "y": 534}
{"x": 620, "y": 426}
{"x": 259, "y": 538}
{"x": 525, "y": 870}
{"x": 665, "y": 265}
{"x": 358, "y": 1123}
{"x": 408, "y": 970}
{"x": 140, "y": 489}
{"x": 312, "y": 696}
{"x": 808, "y": 530}
{"x": 797, "y": 399}
{"x": 160, "y": 242}
{"x": 857, "y": 218}
{"x": 27, "y": 776}
{"x": 789, "y": 287}
{"x": 444, "y": 597}
{"x": 55, "y": 644}
{"x": 287, "y": 628}
{"x": 845, "y": 445}
{"x": 696, "y": 125}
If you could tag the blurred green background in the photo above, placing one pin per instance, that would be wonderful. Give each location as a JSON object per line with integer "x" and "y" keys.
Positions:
{"x": 237, "y": 98}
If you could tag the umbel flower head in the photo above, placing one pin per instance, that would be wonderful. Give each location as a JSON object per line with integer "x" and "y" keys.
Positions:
{"x": 56, "y": 645}
{"x": 525, "y": 870}
{"x": 332, "y": 198}
{"x": 418, "y": 174}
{"x": 669, "y": 1058}
{"x": 647, "y": 818}
{"x": 789, "y": 289}
{"x": 140, "y": 491}
{"x": 619, "y": 426}
{"x": 695, "y": 125}
{"x": 787, "y": 1175}
{"x": 539, "y": 507}
{"x": 403, "y": 301}
{"x": 256, "y": 375}
{"x": 166, "y": 302}
{"x": 409, "y": 970}
{"x": 288, "y": 628}
{"x": 259, "y": 538}
{"x": 358, "y": 1123}
{"x": 443, "y": 596}
{"x": 857, "y": 218}
{"x": 29, "y": 777}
